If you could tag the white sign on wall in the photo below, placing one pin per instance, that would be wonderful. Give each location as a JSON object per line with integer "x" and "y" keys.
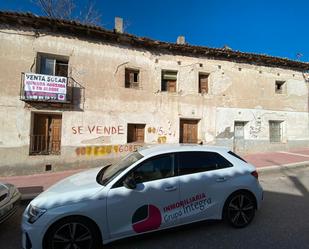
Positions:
{"x": 45, "y": 87}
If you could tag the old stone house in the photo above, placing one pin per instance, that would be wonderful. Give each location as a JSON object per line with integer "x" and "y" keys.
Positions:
{"x": 74, "y": 95}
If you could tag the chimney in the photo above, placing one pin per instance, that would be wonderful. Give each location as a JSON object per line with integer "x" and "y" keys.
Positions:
{"x": 118, "y": 24}
{"x": 181, "y": 40}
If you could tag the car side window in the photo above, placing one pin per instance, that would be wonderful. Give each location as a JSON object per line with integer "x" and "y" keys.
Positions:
{"x": 154, "y": 169}
{"x": 194, "y": 162}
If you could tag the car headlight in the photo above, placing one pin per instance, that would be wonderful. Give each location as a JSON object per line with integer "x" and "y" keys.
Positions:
{"x": 13, "y": 191}
{"x": 34, "y": 213}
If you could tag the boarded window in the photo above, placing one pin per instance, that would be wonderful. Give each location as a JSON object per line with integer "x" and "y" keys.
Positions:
{"x": 52, "y": 65}
{"x": 275, "y": 131}
{"x": 136, "y": 133}
{"x": 280, "y": 87}
{"x": 131, "y": 78}
{"x": 46, "y": 134}
{"x": 188, "y": 131}
{"x": 168, "y": 81}
{"x": 239, "y": 127}
{"x": 203, "y": 83}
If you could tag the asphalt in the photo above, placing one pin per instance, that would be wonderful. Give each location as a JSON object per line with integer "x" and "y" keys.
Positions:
{"x": 32, "y": 185}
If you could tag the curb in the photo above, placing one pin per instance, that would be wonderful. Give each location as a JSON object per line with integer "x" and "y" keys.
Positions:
{"x": 278, "y": 168}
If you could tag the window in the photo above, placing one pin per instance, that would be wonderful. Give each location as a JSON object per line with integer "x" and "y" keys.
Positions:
{"x": 52, "y": 65}
{"x": 168, "y": 81}
{"x": 136, "y": 133}
{"x": 203, "y": 83}
{"x": 154, "y": 169}
{"x": 194, "y": 162}
{"x": 111, "y": 172}
{"x": 274, "y": 131}
{"x": 280, "y": 87}
{"x": 45, "y": 137}
{"x": 131, "y": 78}
{"x": 239, "y": 129}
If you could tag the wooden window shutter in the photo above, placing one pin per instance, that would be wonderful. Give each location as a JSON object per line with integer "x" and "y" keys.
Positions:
{"x": 171, "y": 86}
{"x": 140, "y": 131}
{"x": 127, "y": 78}
{"x": 203, "y": 83}
{"x": 55, "y": 134}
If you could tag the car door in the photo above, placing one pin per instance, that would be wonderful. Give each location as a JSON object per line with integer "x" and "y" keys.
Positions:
{"x": 142, "y": 209}
{"x": 203, "y": 182}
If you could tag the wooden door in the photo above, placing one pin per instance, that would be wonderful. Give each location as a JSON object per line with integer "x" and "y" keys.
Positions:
{"x": 46, "y": 135}
{"x": 188, "y": 131}
{"x": 55, "y": 134}
{"x": 136, "y": 133}
{"x": 140, "y": 131}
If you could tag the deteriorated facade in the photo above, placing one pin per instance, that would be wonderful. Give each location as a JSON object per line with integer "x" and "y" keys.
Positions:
{"x": 124, "y": 91}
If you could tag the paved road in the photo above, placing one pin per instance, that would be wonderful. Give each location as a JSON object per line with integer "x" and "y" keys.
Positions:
{"x": 283, "y": 222}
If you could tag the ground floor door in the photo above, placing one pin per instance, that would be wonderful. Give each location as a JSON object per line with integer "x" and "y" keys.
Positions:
{"x": 46, "y": 134}
{"x": 188, "y": 131}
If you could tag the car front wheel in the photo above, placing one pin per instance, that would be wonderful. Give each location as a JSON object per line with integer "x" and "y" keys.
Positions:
{"x": 239, "y": 209}
{"x": 72, "y": 233}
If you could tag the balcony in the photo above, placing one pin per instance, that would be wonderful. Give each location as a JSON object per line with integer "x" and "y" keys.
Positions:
{"x": 44, "y": 145}
{"x": 51, "y": 91}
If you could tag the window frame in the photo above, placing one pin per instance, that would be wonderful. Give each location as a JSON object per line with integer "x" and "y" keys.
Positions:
{"x": 238, "y": 123}
{"x": 203, "y": 171}
{"x": 279, "y": 122}
{"x": 135, "y": 84}
{"x": 165, "y": 82}
{"x": 55, "y": 57}
{"x": 119, "y": 183}
{"x": 135, "y": 128}
{"x": 46, "y": 140}
{"x": 199, "y": 83}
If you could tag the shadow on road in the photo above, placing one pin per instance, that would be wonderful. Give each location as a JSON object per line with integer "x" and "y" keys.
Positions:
{"x": 282, "y": 222}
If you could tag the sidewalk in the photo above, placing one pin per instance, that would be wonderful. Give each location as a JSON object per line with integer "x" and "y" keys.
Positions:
{"x": 32, "y": 185}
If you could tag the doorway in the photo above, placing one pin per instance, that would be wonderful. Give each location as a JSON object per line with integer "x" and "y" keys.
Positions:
{"x": 188, "y": 131}
{"x": 46, "y": 134}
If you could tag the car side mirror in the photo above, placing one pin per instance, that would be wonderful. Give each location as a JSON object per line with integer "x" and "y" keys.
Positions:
{"x": 129, "y": 182}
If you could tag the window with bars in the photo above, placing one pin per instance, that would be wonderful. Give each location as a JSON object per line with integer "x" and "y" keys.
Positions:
{"x": 275, "y": 131}
{"x": 239, "y": 129}
{"x": 45, "y": 137}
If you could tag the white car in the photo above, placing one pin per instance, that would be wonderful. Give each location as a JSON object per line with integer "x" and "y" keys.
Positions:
{"x": 151, "y": 189}
{"x": 9, "y": 200}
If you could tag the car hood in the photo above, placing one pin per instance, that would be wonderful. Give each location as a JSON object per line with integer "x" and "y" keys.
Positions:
{"x": 73, "y": 189}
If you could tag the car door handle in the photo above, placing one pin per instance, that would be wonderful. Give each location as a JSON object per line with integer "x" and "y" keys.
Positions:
{"x": 221, "y": 179}
{"x": 170, "y": 188}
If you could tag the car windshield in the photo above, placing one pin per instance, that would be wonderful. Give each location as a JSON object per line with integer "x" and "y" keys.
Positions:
{"x": 113, "y": 170}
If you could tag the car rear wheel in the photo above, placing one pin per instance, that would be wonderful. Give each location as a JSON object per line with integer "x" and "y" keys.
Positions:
{"x": 239, "y": 209}
{"x": 72, "y": 233}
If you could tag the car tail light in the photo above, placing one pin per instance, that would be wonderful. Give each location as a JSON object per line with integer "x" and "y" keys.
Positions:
{"x": 255, "y": 174}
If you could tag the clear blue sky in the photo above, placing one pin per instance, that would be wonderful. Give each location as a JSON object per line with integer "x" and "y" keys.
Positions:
{"x": 273, "y": 27}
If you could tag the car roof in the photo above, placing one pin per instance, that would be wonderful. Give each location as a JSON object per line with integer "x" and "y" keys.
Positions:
{"x": 158, "y": 149}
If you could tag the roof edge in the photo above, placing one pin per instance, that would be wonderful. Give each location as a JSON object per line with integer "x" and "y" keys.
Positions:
{"x": 91, "y": 32}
